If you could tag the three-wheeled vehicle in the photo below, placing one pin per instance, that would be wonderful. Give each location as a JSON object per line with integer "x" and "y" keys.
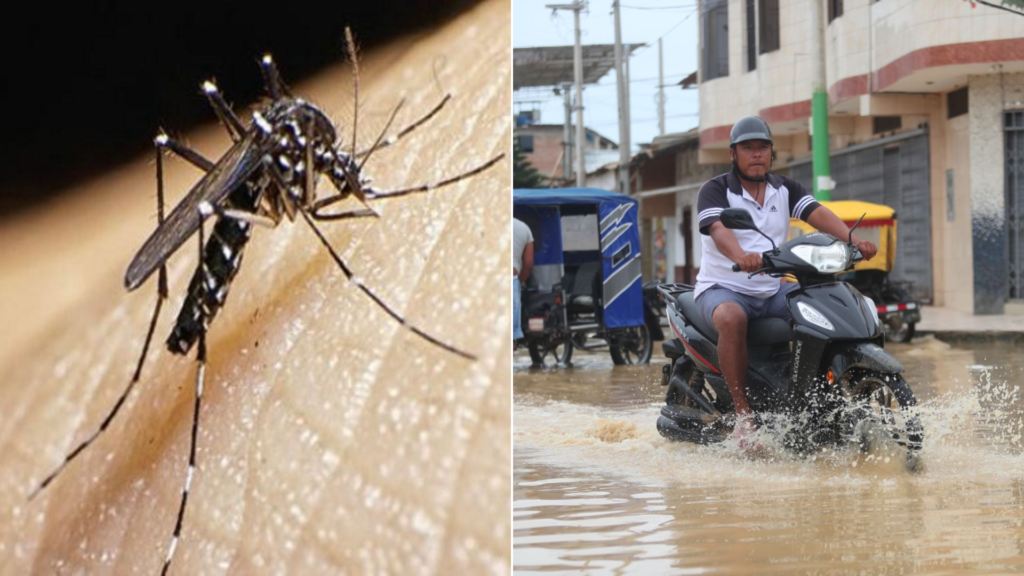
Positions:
{"x": 586, "y": 282}
{"x": 897, "y": 310}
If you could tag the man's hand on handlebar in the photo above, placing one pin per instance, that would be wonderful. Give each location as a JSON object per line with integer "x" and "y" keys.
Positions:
{"x": 749, "y": 262}
{"x": 867, "y": 249}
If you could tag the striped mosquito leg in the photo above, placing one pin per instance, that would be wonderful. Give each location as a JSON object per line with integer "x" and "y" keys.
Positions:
{"x": 163, "y": 141}
{"x": 160, "y": 142}
{"x": 377, "y": 299}
{"x": 272, "y": 78}
{"x": 200, "y": 382}
{"x": 392, "y": 140}
{"x": 375, "y": 194}
{"x": 223, "y": 110}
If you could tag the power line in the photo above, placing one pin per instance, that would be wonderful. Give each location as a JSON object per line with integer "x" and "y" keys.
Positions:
{"x": 658, "y": 7}
{"x": 677, "y": 25}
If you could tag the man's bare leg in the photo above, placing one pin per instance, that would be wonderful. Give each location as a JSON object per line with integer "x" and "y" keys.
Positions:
{"x": 731, "y": 322}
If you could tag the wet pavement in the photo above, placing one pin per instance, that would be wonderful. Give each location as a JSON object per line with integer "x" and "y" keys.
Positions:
{"x": 596, "y": 488}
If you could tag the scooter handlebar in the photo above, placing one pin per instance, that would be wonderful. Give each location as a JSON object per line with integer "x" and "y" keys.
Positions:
{"x": 736, "y": 268}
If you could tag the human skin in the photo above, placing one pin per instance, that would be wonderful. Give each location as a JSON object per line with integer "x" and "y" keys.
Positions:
{"x": 331, "y": 438}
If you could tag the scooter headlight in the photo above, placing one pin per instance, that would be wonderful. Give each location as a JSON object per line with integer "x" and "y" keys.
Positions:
{"x": 827, "y": 259}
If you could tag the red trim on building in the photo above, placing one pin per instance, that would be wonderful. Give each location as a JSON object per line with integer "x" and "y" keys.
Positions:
{"x": 930, "y": 57}
{"x": 716, "y": 134}
{"x": 848, "y": 88}
{"x": 946, "y": 55}
{"x": 786, "y": 112}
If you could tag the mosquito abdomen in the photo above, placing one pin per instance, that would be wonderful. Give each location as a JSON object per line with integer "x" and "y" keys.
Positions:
{"x": 209, "y": 286}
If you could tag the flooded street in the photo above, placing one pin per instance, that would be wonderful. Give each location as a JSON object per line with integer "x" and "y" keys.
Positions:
{"x": 596, "y": 488}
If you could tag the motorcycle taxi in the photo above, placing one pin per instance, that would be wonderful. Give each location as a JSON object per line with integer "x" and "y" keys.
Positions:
{"x": 585, "y": 290}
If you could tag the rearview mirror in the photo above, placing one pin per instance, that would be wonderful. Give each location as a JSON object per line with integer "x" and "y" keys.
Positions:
{"x": 737, "y": 219}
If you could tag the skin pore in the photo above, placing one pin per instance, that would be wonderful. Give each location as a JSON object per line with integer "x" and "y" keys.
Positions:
{"x": 753, "y": 161}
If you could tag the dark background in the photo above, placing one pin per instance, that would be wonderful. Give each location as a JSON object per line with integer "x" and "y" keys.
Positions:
{"x": 85, "y": 88}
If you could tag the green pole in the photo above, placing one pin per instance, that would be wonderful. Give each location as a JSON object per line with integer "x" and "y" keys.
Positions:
{"x": 819, "y": 103}
{"x": 819, "y": 113}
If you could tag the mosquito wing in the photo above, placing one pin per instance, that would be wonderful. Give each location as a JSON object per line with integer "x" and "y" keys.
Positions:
{"x": 231, "y": 171}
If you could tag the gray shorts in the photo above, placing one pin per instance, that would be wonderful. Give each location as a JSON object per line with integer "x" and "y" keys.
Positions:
{"x": 771, "y": 307}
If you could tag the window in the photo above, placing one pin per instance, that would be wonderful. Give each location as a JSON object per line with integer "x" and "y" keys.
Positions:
{"x": 835, "y": 9}
{"x": 620, "y": 255}
{"x": 886, "y": 124}
{"x": 715, "y": 36}
{"x": 769, "y": 24}
{"x": 956, "y": 103}
{"x": 751, "y": 37}
{"x": 525, "y": 143}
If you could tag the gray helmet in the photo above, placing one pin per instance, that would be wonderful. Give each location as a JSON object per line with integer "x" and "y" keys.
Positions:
{"x": 750, "y": 128}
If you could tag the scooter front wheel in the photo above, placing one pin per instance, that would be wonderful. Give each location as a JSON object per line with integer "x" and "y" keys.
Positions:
{"x": 882, "y": 402}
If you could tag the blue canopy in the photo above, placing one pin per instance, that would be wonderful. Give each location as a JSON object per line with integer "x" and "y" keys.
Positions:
{"x": 551, "y": 196}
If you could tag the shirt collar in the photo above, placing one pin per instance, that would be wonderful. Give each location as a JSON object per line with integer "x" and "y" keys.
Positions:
{"x": 733, "y": 180}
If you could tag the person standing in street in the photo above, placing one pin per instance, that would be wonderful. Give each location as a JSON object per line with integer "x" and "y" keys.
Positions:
{"x": 522, "y": 265}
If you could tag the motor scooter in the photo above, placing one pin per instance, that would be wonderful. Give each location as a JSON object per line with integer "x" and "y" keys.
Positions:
{"x": 826, "y": 375}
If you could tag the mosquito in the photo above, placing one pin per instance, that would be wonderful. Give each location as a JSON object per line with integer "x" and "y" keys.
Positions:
{"x": 269, "y": 173}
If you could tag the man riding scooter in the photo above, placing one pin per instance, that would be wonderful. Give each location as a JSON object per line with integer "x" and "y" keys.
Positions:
{"x": 727, "y": 299}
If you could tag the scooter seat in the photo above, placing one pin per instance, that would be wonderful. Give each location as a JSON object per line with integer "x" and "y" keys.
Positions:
{"x": 760, "y": 332}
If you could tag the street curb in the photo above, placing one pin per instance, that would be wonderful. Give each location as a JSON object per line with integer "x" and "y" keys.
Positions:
{"x": 974, "y": 336}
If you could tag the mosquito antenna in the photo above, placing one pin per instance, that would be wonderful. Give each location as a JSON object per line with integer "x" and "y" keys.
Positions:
{"x": 377, "y": 299}
{"x": 354, "y": 55}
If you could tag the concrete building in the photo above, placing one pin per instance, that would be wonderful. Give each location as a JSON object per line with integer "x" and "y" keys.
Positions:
{"x": 926, "y": 115}
{"x": 541, "y": 144}
{"x": 666, "y": 179}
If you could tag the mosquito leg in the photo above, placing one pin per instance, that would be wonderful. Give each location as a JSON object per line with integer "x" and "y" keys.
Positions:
{"x": 272, "y": 78}
{"x": 380, "y": 137}
{"x": 344, "y": 177}
{"x": 377, "y": 299}
{"x": 224, "y": 112}
{"x": 164, "y": 141}
{"x": 364, "y": 213}
{"x": 374, "y": 194}
{"x": 204, "y": 209}
{"x": 391, "y": 140}
{"x": 161, "y": 296}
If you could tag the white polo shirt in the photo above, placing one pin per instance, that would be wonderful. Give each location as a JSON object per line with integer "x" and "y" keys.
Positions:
{"x": 783, "y": 198}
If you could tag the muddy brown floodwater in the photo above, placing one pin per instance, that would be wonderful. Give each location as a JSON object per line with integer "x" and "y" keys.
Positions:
{"x": 597, "y": 489}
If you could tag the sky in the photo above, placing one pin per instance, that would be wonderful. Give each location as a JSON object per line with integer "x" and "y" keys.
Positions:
{"x": 643, "y": 22}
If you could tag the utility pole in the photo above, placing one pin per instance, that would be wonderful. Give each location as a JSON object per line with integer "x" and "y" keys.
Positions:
{"x": 661, "y": 91}
{"x": 823, "y": 183}
{"x": 581, "y": 135}
{"x": 567, "y": 147}
{"x": 623, "y": 101}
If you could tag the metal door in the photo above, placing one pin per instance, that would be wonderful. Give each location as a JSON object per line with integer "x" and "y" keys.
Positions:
{"x": 894, "y": 172}
{"x": 1014, "y": 154}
